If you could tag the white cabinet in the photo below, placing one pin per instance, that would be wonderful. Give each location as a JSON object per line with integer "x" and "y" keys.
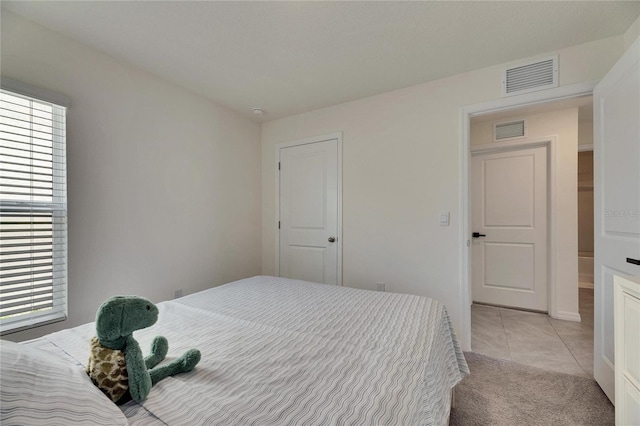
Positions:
{"x": 627, "y": 338}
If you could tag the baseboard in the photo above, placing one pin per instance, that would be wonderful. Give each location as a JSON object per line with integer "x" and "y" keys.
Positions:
{"x": 568, "y": 316}
{"x": 583, "y": 284}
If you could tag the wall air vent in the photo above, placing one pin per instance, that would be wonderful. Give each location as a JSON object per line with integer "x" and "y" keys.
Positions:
{"x": 509, "y": 130}
{"x": 531, "y": 76}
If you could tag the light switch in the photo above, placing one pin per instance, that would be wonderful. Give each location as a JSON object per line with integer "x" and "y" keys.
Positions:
{"x": 444, "y": 219}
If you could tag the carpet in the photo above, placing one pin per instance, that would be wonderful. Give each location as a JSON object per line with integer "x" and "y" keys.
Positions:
{"x": 500, "y": 392}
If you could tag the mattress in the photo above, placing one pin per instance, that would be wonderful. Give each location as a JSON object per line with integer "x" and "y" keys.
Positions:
{"x": 277, "y": 351}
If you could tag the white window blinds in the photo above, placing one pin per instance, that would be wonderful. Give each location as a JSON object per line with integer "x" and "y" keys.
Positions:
{"x": 33, "y": 212}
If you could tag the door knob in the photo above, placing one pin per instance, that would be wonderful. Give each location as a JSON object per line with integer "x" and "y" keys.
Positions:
{"x": 332, "y": 239}
{"x": 477, "y": 235}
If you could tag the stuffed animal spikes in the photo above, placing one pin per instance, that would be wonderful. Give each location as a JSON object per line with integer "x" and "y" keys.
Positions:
{"x": 116, "y": 364}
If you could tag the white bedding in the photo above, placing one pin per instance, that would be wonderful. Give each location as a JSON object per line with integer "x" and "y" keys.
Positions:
{"x": 286, "y": 352}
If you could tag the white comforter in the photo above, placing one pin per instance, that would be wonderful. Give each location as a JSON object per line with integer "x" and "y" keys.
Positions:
{"x": 286, "y": 352}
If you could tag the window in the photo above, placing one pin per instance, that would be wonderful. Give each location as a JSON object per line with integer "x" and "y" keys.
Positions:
{"x": 33, "y": 210}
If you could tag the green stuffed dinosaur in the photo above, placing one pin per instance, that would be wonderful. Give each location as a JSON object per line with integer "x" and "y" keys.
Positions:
{"x": 116, "y": 364}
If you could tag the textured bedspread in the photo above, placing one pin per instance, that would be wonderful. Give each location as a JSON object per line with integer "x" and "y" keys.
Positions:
{"x": 286, "y": 352}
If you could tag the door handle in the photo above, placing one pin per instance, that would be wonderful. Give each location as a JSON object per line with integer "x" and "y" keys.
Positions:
{"x": 634, "y": 261}
{"x": 477, "y": 235}
{"x": 332, "y": 239}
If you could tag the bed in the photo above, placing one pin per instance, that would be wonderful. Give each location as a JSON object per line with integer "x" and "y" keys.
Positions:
{"x": 275, "y": 351}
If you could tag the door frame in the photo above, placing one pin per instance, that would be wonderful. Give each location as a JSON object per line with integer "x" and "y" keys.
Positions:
{"x": 550, "y": 143}
{"x": 466, "y": 112}
{"x": 307, "y": 141}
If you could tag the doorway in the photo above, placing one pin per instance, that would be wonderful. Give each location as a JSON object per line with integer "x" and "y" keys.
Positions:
{"x": 534, "y": 99}
{"x": 558, "y": 341}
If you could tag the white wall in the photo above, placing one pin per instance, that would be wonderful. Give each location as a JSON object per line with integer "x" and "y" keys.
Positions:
{"x": 585, "y": 133}
{"x": 401, "y": 159}
{"x": 163, "y": 185}
{"x": 632, "y": 33}
{"x": 563, "y": 126}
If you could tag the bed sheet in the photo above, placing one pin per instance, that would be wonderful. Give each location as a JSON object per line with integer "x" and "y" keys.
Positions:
{"x": 277, "y": 351}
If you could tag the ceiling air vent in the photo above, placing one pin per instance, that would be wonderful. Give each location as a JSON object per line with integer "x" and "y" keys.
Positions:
{"x": 531, "y": 76}
{"x": 509, "y": 130}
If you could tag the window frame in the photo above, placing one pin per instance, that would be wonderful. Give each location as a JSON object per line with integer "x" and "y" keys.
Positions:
{"x": 57, "y": 208}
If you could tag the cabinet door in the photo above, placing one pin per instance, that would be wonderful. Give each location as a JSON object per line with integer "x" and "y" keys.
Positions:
{"x": 627, "y": 330}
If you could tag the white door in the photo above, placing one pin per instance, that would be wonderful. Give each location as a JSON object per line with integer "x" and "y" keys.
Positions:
{"x": 509, "y": 212}
{"x": 309, "y": 212}
{"x": 616, "y": 161}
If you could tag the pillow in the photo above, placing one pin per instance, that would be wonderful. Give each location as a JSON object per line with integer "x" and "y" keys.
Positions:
{"x": 38, "y": 389}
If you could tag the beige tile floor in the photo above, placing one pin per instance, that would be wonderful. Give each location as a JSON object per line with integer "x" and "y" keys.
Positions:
{"x": 536, "y": 339}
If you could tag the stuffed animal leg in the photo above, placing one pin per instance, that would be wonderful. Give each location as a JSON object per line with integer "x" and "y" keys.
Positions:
{"x": 181, "y": 365}
{"x": 139, "y": 380}
{"x": 159, "y": 349}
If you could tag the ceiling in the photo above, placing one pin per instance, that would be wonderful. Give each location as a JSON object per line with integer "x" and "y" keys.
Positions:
{"x": 292, "y": 57}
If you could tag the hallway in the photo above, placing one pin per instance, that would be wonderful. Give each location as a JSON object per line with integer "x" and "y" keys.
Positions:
{"x": 536, "y": 339}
